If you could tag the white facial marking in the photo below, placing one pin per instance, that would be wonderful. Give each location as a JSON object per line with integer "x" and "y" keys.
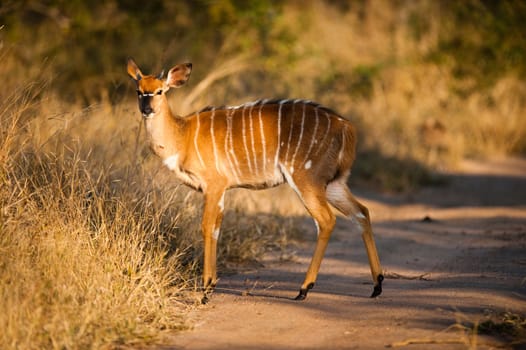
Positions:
{"x": 308, "y": 164}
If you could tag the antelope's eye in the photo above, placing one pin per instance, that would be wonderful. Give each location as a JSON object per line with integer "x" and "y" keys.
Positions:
{"x": 159, "y": 92}
{"x": 139, "y": 93}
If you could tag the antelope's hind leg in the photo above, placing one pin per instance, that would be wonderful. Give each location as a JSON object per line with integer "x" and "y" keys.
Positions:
{"x": 370, "y": 246}
{"x": 342, "y": 199}
{"x": 316, "y": 204}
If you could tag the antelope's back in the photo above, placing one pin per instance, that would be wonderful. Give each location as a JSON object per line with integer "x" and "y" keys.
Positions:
{"x": 255, "y": 143}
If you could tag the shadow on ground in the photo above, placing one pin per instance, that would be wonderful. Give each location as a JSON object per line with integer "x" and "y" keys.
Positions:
{"x": 464, "y": 262}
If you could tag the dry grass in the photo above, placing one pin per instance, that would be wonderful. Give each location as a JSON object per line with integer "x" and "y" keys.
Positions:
{"x": 99, "y": 245}
{"x": 87, "y": 257}
{"x": 507, "y": 330}
{"x": 368, "y": 65}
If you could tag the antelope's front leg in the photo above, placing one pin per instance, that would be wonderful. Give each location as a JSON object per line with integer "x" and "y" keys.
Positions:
{"x": 210, "y": 226}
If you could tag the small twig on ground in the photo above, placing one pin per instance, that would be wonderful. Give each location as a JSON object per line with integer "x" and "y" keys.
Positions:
{"x": 397, "y": 276}
{"x": 414, "y": 341}
{"x": 250, "y": 289}
{"x": 426, "y": 341}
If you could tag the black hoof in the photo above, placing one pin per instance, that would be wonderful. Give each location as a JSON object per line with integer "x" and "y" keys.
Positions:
{"x": 302, "y": 295}
{"x": 209, "y": 284}
{"x": 378, "y": 288}
{"x": 303, "y": 292}
{"x": 207, "y": 291}
{"x": 206, "y": 295}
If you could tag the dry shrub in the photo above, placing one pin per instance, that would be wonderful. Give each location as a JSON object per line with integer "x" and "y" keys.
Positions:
{"x": 99, "y": 245}
{"x": 87, "y": 259}
{"x": 371, "y": 61}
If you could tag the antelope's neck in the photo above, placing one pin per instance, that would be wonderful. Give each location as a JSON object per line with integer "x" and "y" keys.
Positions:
{"x": 164, "y": 132}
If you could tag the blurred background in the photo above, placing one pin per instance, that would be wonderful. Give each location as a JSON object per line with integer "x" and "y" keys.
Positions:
{"x": 101, "y": 247}
{"x": 427, "y": 82}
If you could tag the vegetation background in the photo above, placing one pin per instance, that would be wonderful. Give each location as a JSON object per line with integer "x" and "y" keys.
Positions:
{"x": 99, "y": 246}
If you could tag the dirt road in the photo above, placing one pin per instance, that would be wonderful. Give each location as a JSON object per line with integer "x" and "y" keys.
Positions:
{"x": 454, "y": 255}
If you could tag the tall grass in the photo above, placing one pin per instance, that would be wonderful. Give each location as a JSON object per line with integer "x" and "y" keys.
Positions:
{"x": 99, "y": 244}
{"x": 373, "y": 62}
{"x": 425, "y": 81}
{"x": 87, "y": 255}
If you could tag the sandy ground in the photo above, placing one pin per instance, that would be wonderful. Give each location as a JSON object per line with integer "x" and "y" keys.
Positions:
{"x": 465, "y": 264}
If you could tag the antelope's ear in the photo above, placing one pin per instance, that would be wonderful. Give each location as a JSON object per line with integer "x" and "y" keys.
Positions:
{"x": 133, "y": 71}
{"x": 178, "y": 75}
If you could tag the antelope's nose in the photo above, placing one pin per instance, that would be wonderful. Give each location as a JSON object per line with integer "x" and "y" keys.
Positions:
{"x": 145, "y": 105}
{"x": 146, "y": 110}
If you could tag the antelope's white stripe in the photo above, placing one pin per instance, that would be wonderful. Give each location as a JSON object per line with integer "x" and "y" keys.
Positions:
{"x": 290, "y": 130}
{"x": 243, "y": 126}
{"x": 251, "y": 120}
{"x": 342, "y": 149}
{"x": 276, "y": 157}
{"x": 196, "y": 135}
{"x": 232, "y": 149}
{"x": 301, "y": 135}
{"x": 313, "y": 139}
{"x": 228, "y": 152}
{"x": 290, "y": 181}
{"x": 262, "y": 135}
{"x": 214, "y": 145}
{"x": 326, "y": 132}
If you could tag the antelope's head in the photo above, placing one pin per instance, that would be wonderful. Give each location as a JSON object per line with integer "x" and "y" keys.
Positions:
{"x": 151, "y": 89}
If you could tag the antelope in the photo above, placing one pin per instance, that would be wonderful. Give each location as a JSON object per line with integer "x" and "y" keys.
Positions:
{"x": 257, "y": 145}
